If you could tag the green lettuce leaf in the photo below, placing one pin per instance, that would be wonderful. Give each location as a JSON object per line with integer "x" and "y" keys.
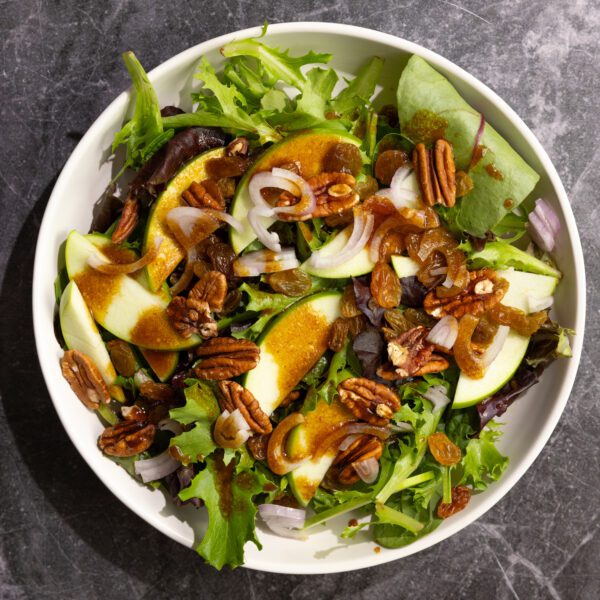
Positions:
{"x": 501, "y": 255}
{"x": 360, "y": 89}
{"x": 144, "y": 133}
{"x": 429, "y": 107}
{"x": 228, "y": 496}
{"x": 201, "y": 409}
{"x": 277, "y": 63}
{"x": 483, "y": 462}
{"x": 549, "y": 342}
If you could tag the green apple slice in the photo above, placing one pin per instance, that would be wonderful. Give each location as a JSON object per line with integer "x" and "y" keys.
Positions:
{"x": 163, "y": 363}
{"x": 171, "y": 253}
{"x": 80, "y": 333}
{"x": 291, "y": 346}
{"x": 405, "y": 266}
{"x": 359, "y": 265}
{"x": 309, "y": 148}
{"x": 522, "y": 287}
{"x": 304, "y": 440}
{"x": 121, "y": 304}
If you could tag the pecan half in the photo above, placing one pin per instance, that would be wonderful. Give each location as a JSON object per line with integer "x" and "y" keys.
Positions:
{"x": 411, "y": 355}
{"x": 363, "y": 448}
{"x": 212, "y": 289}
{"x": 84, "y": 378}
{"x": 436, "y": 173}
{"x": 127, "y": 438}
{"x": 226, "y": 357}
{"x": 206, "y": 194}
{"x": 368, "y": 400}
{"x": 335, "y": 193}
{"x": 190, "y": 316}
{"x": 484, "y": 290}
{"x": 233, "y": 396}
{"x": 128, "y": 221}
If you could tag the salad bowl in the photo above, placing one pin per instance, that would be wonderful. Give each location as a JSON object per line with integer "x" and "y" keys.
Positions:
{"x": 527, "y": 426}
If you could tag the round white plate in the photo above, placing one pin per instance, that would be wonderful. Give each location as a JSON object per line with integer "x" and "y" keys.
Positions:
{"x": 528, "y": 423}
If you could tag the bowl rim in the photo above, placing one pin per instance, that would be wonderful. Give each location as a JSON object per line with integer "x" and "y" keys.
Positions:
{"x": 495, "y": 493}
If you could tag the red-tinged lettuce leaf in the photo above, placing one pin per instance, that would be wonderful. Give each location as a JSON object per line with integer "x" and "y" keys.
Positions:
{"x": 365, "y": 301}
{"x": 413, "y": 292}
{"x": 369, "y": 347}
{"x": 228, "y": 496}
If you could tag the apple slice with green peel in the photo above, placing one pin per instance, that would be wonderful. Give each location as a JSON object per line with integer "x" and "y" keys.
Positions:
{"x": 359, "y": 265}
{"x": 522, "y": 286}
{"x": 405, "y": 266}
{"x": 171, "y": 253}
{"x": 163, "y": 363}
{"x": 304, "y": 441}
{"x": 121, "y": 304}
{"x": 80, "y": 333}
{"x": 309, "y": 148}
{"x": 290, "y": 346}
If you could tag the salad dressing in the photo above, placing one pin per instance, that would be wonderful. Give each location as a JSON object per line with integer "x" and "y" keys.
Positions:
{"x": 425, "y": 127}
{"x": 305, "y": 337}
{"x": 154, "y": 329}
{"x": 97, "y": 290}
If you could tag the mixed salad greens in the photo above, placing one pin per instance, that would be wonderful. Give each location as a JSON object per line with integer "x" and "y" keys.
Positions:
{"x": 306, "y": 304}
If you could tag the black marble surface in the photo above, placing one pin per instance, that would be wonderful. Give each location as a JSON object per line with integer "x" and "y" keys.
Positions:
{"x": 62, "y": 534}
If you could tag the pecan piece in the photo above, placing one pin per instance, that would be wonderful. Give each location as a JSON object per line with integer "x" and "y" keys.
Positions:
{"x": 436, "y": 173}
{"x": 363, "y": 448}
{"x": 127, "y": 438}
{"x": 483, "y": 291}
{"x": 368, "y": 400}
{"x": 238, "y": 147}
{"x": 226, "y": 357}
{"x": 411, "y": 355}
{"x": 212, "y": 289}
{"x": 233, "y": 396}
{"x": 206, "y": 194}
{"x": 84, "y": 378}
{"x": 190, "y": 316}
{"x": 128, "y": 221}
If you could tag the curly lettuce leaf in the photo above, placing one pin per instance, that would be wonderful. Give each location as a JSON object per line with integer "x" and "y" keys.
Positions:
{"x": 429, "y": 107}
{"x": 279, "y": 64}
{"x": 228, "y": 496}
{"x": 201, "y": 409}
{"x": 225, "y": 108}
{"x": 143, "y": 134}
{"x": 483, "y": 462}
{"x": 360, "y": 89}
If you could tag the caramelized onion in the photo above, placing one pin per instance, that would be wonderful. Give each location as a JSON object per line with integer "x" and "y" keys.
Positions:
{"x": 516, "y": 319}
{"x": 277, "y": 458}
{"x": 336, "y": 437}
{"x": 100, "y": 263}
{"x": 469, "y": 362}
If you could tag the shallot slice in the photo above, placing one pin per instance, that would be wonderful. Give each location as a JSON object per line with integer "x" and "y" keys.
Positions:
{"x": 444, "y": 332}
{"x": 403, "y": 189}
{"x": 231, "y": 429}
{"x": 361, "y": 231}
{"x": 151, "y": 469}
{"x": 367, "y": 470}
{"x": 308, "y": 200}
{"x": 438, "y": 396}
{"x": 188, "y": 272}
{"x": 99, "y": 262}
{"x": 267, "y": 238}
{"x": 265, "y": 261}
{"x": 190, "y": 225}
{"x": 544, "y": 225}
{"x": 496, "y": 346}
{"x": 284, "y": 520}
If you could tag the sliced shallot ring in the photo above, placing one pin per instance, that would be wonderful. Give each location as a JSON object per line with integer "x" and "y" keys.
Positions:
{"x": 221, "y": 215}
{"x": 157, "y": 467}
{"x": 277, "y": 458}
{"x": 231, "y": 429}
{"x": 268, "y": 238}
{"x": 337, "y": 436}
{"x": 308, "y": 200}
{"x": 400, "y": 195}
{"x": 496, "y": 346}
{"x": 266, "y": 179}
{"x": 98, "y": 262}
{"x": 361, "y": 232}
{"x": 265, "y": 261}
{"x": 443, "y": 334}
{"x": 183, "y": 221}
{"x": 188, "y": 272}
{"x": 367, "y": 470}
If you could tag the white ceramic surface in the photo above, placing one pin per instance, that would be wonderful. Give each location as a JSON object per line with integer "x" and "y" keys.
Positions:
{"x": 528, "y": 423}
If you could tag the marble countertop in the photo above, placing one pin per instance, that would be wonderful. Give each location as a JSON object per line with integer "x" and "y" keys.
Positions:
{"x": 62, "y": 534}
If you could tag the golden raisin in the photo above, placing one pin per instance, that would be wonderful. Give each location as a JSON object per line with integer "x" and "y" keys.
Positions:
{"x": 460, "y": 498}
{"x": 293, "y": 282}
{"x": 445, "y": 451}
{"x": 348, "y": 306}
{"x": 338, "y": 334}
{"x": 343, "y": 158}
{"x": 388, "y": 163}
{"x": 385, "y": 286}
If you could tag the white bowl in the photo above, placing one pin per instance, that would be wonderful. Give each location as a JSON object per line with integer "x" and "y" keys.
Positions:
{"x": 528, "y": 423}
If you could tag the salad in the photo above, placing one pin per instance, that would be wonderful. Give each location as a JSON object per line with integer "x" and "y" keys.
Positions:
{"x": 295, "y": 303}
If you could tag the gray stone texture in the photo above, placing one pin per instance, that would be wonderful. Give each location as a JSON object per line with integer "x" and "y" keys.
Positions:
{"x": 62, "y": 534}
